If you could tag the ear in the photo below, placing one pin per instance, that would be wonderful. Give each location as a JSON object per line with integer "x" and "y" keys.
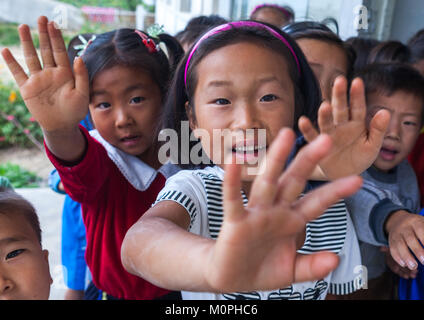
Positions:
{"x": 46, "y": 258}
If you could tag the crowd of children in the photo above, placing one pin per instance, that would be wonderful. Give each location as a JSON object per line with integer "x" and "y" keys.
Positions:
{"x": 326, "y": 126}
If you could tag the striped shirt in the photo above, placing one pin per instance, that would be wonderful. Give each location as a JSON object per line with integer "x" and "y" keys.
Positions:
{"x": 200, "y": 193}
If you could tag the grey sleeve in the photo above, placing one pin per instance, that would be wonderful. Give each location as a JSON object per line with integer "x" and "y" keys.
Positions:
{"x": 369, "y": 209}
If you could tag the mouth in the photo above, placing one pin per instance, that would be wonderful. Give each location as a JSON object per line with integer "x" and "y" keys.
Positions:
{"x": 248, "y": 151}
{"x": 130, "y": 140}
{"x": 388, "y": 154}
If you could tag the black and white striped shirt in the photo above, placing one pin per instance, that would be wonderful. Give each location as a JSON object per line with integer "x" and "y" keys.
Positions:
{"x": 200, "y": 193}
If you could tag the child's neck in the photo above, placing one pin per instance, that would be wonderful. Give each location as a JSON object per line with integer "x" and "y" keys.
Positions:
{"x": 150, "y": 157}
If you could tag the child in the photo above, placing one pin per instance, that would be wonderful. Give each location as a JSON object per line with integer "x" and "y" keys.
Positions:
{"x": 24, "y": 265}
{"x": 114, "y": 171}
{"x": 328, "y": 56}
{"x": 239, "y": 77}
{"x": 416, "y": 46}
{"x": 380, "y": 209}
{"x": 274, "y": 14}
{"x": 73, "y": 229}
{"x": 196, "y": 27}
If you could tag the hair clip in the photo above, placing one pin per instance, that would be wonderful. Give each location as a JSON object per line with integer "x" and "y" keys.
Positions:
{"x": 148, "y": 42}
{"x": 84, "y": 44}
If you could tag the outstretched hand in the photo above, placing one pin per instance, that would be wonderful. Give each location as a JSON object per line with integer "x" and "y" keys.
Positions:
{"x": 57, "y": 98}
{"x": 355, "y": 145}
{"x": 257, "y": 245}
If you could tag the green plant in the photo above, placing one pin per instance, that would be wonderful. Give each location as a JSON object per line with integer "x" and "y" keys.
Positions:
{"x": 9, "y": 35}
{"x": 19, "y": 177}
{"x": 17, "y": 126}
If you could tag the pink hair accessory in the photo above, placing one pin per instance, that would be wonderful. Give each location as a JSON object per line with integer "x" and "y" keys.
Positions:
{"x": 287, "y": 13}
{"x": 148, "y": 43}
{"x": 238, "y": 24}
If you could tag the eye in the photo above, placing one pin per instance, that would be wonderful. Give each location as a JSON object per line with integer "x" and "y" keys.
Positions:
{"x": 103, "y": 105}
{"x": 222, "y": 101}
{"x": 137, "y": 100}
{"x": 409, "y": 123}
{"x": 14, "y": 254}
{"x": 269, "y": 98}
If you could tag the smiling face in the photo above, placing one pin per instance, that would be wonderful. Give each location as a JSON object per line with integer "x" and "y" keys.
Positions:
{"x": 24, "y": 266}
{"x": 125, "y": 105}
{"x": 327, "y": 60}
{"x": 405, "y": 125}
{"x": 241, "y": 89}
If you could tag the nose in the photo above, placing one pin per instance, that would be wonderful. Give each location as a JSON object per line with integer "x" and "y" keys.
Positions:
{"x": 122, "y": 117}
{"x": 245, "y": 117}
{"x": 393, "y": 131}
{"x": 6, "y": 284}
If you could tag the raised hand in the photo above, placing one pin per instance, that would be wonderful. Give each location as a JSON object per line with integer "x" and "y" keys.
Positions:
{"x": 355, "y": 144}
{"x": 256, "y": 247}
{"x": 56, "y": 97}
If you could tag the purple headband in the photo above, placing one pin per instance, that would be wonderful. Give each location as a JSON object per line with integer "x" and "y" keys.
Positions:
{"x": 287, "y": 13}
{"x": 238, "y": 24}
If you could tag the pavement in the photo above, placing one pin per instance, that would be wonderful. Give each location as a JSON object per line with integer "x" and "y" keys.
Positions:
{"x": 49, "y": 208}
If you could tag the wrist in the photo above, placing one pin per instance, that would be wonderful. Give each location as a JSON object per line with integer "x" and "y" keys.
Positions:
{"x": 393, "y": 220}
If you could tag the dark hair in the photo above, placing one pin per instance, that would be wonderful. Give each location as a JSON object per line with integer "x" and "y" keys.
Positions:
{"x": 390, "y": 51}
{"x": 318, "y": 31}
{"x": 416, "y": 45}
{"x": 196, "y": 27}
{"x": 307, "y": 91}
{"x": 362, "y": 48}
{"x": 11, "y": 202}
{"x": 388, "y": 78}
{"x": 286, "y": 11}
{"x": 125, "y": 47}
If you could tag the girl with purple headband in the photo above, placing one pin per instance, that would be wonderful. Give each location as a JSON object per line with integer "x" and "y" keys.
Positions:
{"x": 113, "y": 171}
{"x": 244, "y": 233}
{"x": 274, "y": 14}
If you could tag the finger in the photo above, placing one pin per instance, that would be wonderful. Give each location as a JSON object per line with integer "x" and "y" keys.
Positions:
{"x": 315, "y": 266}
{"x": 293, "y": 180}
{"x": 405, "y": 255}
{"x": 325, "y": 117}
{"x": 30, "y": 54}
{"x": 82, "y": 82}
{"x": 378, "y": 127}
{"x": 358, "y": 104}
{"x": 264, "y": 188}
{"x": 314, "y": 203}
{"x": 307, "y": 129}
{"x": 60, "y": 53}
{"x": 339, "y": 101}
{"x": 414, "y": 245}
{"x": 15, "y": 68}
{"x": 45, "y": 46}
{"x": 233, "y": 202}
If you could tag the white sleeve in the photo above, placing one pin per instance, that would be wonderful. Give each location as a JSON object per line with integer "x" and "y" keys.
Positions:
{"x": 186, "y": 189}
{"x": 350, "y": 275}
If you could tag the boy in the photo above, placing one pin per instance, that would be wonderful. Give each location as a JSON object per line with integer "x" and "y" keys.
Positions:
{"x": 273, "y": 14}
{"x": 381, "y": 210}
{"x": 24, "y": 266}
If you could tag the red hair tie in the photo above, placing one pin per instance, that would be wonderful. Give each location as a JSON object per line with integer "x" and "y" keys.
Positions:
{"x": 148, "y": 42}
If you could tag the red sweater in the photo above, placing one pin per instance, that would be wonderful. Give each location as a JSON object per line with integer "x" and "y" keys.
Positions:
{"x": 110, "y": 206}
{"x": 416, "y": 159}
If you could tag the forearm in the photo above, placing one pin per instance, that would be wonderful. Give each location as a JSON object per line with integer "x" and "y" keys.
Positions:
{"x": 166, "y": 255}
{"x": 67, "y": 145}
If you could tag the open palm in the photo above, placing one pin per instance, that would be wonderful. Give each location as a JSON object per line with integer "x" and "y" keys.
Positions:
{"x": 52, "y": 93}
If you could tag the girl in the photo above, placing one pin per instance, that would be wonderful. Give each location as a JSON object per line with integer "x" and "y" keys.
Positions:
{"x": 328, "y": 56}
{"x": 113, "y": 171}
{"x": 238, "y": 77}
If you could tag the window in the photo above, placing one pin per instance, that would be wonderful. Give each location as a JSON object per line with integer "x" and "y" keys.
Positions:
{"x": 185, "y": 6}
